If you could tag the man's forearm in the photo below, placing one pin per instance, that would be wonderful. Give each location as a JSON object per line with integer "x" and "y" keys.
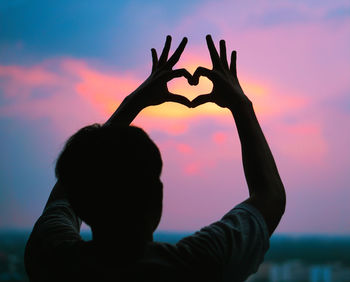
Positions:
{"x": 264, "y": 183}
{"x": 58, "y": 197}
{"x": 126, "y": 112}
{"x": 57, "y": 193}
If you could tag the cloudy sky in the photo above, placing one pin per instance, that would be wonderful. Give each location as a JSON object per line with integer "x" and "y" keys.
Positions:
{"x": 66, "y": 64}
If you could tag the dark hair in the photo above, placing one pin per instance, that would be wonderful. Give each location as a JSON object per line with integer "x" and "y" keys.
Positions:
{"x": 110, "y": 172}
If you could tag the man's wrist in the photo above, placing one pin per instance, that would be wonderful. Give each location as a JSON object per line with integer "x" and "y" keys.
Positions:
{"x": 244, "y": 108}
{"x": 134, "y": 102}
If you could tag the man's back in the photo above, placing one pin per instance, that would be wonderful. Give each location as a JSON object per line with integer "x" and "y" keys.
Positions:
{"x": 232, "y": 247}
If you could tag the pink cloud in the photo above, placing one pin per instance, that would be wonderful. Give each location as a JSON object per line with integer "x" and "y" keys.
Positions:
{"x": 220, "y": 137}
{"x": 103, "y": 90}
{"x": 192, "y": 168}
{"x": 32, "y": 76}
{"x": 73, "y": 93}
{"x": 303, "y": 142}
{"x": 176, "y": 128}
{"x": 184, "y": 148}
{"x": 20, "y": 80}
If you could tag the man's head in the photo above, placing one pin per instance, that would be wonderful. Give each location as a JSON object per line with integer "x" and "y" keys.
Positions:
{"x": 111, "y": 175}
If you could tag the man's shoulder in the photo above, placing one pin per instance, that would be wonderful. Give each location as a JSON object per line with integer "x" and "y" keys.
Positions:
{"x": 233, "y": 246}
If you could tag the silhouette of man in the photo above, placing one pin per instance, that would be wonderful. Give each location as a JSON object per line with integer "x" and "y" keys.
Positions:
{"x": 109, "y": 177}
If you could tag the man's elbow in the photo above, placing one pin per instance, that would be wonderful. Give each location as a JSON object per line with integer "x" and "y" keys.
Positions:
{"x": 277, "y": 202}
{"x": 280, "y": 199}
{"x": 272, "y": 205}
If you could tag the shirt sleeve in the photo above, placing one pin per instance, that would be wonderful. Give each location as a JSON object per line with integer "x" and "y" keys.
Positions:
{"x": 52, "y": 241}
{"x": 234, "y": 247}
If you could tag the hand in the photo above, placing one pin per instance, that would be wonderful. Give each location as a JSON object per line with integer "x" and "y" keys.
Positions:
{"x": 227, "y": 91}
{"x": 154, "y": 90}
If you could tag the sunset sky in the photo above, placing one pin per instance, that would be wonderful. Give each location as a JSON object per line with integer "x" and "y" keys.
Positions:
{"x": 66, "y": 64}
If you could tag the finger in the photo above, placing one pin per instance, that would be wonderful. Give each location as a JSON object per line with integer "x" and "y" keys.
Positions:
{"x": 233, "y": 63}
{"x": 164, "y": 56}
{"x": 200, "y": 71}
{"x": 176, "y": 56}
{"x": 223, "y": 55}
{"x": 179, "y": 73}
{"x": 201, "y": 99}
{"x": 178, "y": 99}
{"x": 212, "y": 50}
{"x": 154, "y": 59}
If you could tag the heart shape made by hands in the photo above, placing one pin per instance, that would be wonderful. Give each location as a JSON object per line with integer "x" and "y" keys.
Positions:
{"x": 182, "y": 87}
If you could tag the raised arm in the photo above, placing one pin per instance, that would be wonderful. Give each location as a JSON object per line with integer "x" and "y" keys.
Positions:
{"x": 265, "y": 186}
{"x": 154, "y": 90}
{"x": 59, "y": 226}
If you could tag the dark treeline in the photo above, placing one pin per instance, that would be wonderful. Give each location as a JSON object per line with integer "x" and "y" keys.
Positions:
{"x": 308, "y": 249}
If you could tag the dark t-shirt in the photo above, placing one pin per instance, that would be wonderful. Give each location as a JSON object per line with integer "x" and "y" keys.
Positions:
{"x": 227, "y": 250}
